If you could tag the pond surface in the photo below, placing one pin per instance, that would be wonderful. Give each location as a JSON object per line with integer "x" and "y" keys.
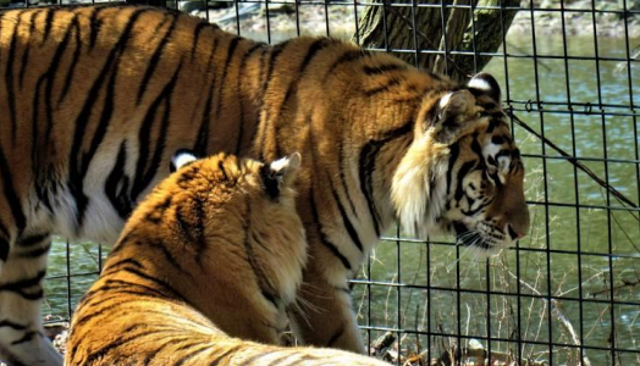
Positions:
{"x": 609, "y": 240}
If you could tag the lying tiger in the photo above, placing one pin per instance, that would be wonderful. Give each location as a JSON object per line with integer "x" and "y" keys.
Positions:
{"x": 195, "y": 257}
{"x": 96, "y": 99}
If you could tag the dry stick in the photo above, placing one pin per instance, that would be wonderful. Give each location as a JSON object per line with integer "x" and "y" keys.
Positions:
{"x": 564, "y": 321}
{"x": 625, "y": 283}
{"x": 573, "y": 160}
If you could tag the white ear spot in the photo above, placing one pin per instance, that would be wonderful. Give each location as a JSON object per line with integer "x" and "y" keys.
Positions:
{"x": 445, "y": 100}
{"x": 181, "y": 158}
{"x": 289, "y": 162}
{"x": 480, "y": 83}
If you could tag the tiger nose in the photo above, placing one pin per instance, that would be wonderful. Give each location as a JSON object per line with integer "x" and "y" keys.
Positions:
{"x": 514, "y": 234}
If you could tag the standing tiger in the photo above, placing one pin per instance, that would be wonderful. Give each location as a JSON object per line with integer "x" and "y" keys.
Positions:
{"x": 215, "y": 248}
{"x": 95, "y": 100}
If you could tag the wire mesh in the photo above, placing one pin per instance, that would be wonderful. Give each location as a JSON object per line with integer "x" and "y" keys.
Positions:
{"x": 567, "y": 294}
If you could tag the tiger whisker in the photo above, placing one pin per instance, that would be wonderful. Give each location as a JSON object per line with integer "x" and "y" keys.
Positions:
{"x": 465, "y": 252}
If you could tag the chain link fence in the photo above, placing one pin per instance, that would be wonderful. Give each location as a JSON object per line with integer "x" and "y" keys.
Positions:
{"x": 569, "y": 293}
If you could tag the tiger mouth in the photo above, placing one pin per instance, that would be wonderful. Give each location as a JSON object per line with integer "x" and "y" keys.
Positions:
{"x": 471, "y": 238}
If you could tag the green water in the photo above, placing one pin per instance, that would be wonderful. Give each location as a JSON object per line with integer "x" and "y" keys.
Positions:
{"x": 560, "y": 227}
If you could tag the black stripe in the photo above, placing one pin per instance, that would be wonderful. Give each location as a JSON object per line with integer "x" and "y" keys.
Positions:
{"x": 156, "y": 215}
{"x": 493, "y": 124}
{"x": 116, "y": 187}
{"x": 3, "y": 230}
{"x": 154, "y": 60}
{"x": 35, "y": 253}
{"x": 196, "y": 36}
{"x": 381, "y": 89}
{"x": 343, "y": 179}
{"x": 261, "y": 77}
{"x": 243, "y": 63}
{"x": 275, "y": 54}
{"x": 464, "y": 169}
{"x": 74, "y": 62}
{"x": 8, "y": 76}
{"x": 367, "y": 166}
{"x": 77, "y": 167}
{"x": 112, "y": 267}
{"x": 251, "y": 361}
{"x": 117, "y": 342}
{"x": 334, "y": 338}
{"x": 106, "y": 293}
{"x": 353, "y": 233}
{"x": 383, "y": 69}
{"x": 4, "y": 250}
{"x": 150, "y": 357}
{"x": 476, "y": 148}
{"x": 166, "y": 253}
{"x": 202, "y": 139}
{"x": 51, "y": 74}
{"x": 217, "y": 358}
{"x": 166, "y": 286}
{"x": 191, "y": 354}
{"x": 280, "y": 361}
{"x": 33, "y": 240}
{"x": 20, "y": 286}
{"x": 454, "y": 152}
{"x": 95, "y": 25}
{"x": 348, "y": 57}
{"x": 480, "y": 207}
{"x": 313, "y": 49}
{"x": 28, "y": 336}
{"x": 27, "y": 48}
{"x": 48, "y": 23}
{"x": 323, "y": 237}
{"x": 12, "y": 325}
{"x": 224, "y": 172}
{"x": 233, "y": 44}
{"x": 157, "y": 329}
{"x": 39, "y": 169}
{"x": 10, "y": 194}
{"x": 117, "y": 288}
{"x": 146, "y": 172}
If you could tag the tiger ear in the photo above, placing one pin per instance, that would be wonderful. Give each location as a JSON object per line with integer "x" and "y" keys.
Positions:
{"x": 279, "y": 174}
{"x": 450, "y": 113}
{"x": 484, "y": 83}
{"x": 181, "y": 157}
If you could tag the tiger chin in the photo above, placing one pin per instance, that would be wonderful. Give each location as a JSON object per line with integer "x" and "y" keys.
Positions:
{"x": 463, "y": 174}
{"x": 216, "y": 248}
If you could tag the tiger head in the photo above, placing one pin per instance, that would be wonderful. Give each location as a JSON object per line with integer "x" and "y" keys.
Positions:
{"x": 462, "y": 173}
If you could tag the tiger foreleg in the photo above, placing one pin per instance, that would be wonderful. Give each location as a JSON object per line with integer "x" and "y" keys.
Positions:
{"x": 22, "y": 339}
{"x": 323, "y": 315}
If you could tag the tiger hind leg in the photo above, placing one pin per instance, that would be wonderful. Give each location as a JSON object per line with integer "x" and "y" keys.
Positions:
{"x": 22, "y": 339}
{"x": 324, "y": 316}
